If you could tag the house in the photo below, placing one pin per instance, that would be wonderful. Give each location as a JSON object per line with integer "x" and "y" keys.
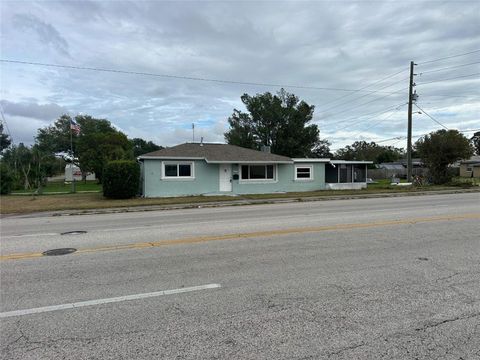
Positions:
{"x": 397, "y": 169}
{"x": 470, "y": 167}
{"x": 215, "y": 169}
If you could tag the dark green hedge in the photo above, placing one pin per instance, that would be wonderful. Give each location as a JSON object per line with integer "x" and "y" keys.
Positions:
{"x": 121, "y": 179}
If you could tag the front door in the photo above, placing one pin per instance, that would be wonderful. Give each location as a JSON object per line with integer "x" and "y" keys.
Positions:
{"x": 225, "y": 177}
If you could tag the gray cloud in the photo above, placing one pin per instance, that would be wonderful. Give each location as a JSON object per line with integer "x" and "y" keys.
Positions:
{"x": 49, "y": 112}
{"x": 325, "y": 44}
{"x": 47, "y": 34}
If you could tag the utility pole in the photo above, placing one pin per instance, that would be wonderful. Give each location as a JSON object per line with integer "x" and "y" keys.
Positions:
{"x": 409, "y": 131}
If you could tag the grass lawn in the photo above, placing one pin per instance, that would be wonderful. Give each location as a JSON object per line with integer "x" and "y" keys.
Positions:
{"x": 83, "y": 201}
{"x": 61, "y": 186}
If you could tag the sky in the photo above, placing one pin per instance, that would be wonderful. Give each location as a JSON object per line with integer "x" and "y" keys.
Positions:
{"x": 348, "y": 58}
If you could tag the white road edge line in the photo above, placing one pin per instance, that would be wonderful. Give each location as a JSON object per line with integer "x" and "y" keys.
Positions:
{"x": 106, "y": 301}
{"x": 30, "y": 235}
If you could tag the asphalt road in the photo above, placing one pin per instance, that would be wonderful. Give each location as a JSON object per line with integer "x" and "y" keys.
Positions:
{"x": 391, "y": 278}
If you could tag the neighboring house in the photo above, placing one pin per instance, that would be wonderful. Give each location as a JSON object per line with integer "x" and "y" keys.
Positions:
{"x": 397, "y": 169}
{"x": 213, "y": 169}
{"x": 470, "y": 167}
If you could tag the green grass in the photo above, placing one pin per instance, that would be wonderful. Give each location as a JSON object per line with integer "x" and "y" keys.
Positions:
{"x": 60, "y": 186}
{"x": 83, "y": 201}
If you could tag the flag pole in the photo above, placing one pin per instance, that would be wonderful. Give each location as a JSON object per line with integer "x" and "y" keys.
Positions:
{"x": 71, "y": 152}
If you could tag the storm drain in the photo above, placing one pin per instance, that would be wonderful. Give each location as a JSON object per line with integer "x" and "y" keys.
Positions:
{"x": 74, "y": 232}
{"x": 56, "y": 252}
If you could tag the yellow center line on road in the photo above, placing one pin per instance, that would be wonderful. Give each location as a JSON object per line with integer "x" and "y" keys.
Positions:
{"x": 256, "y": 234}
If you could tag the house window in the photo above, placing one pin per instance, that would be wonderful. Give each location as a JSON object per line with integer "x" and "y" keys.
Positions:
{"x": 469, "y": 168}
{"x": 173, "y": 170}
{"x": 303, "y": 173}
{"x": 258, "y": 172}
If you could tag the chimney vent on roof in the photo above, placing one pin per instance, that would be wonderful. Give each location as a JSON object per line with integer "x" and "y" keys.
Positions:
{"x": 201, "y": 141}
{"x": 265, "y": 148}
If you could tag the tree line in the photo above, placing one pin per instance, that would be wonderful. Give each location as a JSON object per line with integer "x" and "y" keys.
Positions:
{"x": 97, "y": 143}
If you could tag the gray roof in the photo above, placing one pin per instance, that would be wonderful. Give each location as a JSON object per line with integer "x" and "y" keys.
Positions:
{"x": 472, "y": 160}
{"x": 216, "y": 153}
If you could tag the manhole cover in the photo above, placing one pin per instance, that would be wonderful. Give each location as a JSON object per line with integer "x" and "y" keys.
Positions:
{"x": 55, "y": 252}
{"x": 74, "y": 232}
{"x": 422, "y": 258}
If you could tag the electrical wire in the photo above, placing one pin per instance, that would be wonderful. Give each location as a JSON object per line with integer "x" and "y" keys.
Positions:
{"x": 397, "y": 107}
{"x": 367, "y": 86}
{"x": 431, "y": 117}
{"x": 453, "y": 78}
{"x": 368, "y": 102}
{"x": 377, "y": 112}
{"x": 362, "y": 96}
{"x": 448, "y": 68}
{"x": 449, "y": 57}
{"x": 375, "y": 124}
{"x": 178, "y": 76}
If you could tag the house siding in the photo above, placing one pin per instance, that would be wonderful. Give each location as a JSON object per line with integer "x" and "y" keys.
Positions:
{"x": 474, "y": 172}
{"x": 206, "y": 180}
{"x": 285, "y": 181}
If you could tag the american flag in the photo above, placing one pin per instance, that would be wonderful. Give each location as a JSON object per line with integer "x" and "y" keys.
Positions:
{"x": 74, "y": 127}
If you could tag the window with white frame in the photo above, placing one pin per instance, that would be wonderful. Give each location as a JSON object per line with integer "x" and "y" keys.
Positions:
{"x": 177, "y": 170}
{"x": 304, "y": 172}
{"x": 258, "y": 172}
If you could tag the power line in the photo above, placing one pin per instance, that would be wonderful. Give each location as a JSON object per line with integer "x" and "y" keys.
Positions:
{"x": 368, "y": 102}
{"x": 453, "y": 78}
{"x": 375, "y": 124}
{"x": 397, "y": 107}
{"x": 449, "y": 57}
{"x": 177, "y": 76}
{"x": 431, "y": 117}
{"x": 448, "y": 68}
{"x": 417, "y": 136}
{"x": 360, "y": 97}
{"x": 367, "y": 86}
{"x": 378, "y": 112}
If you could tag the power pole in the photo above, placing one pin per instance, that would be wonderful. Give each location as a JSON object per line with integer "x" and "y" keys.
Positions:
{"x": 409, "y": 131}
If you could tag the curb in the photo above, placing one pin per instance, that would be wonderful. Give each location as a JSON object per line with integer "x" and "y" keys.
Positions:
{"x": 241, "y": 202}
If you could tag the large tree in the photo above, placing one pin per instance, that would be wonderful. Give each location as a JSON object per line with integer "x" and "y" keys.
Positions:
{"x": 440, "y": 149}
{"x": 5, "y": 139}
{"x": 141, "y": 146}
{"x": 476, "y": 142}
{"x": 280, "y": 121}
{"x": 362, "y": 150}
{"x": 97, "y": 143}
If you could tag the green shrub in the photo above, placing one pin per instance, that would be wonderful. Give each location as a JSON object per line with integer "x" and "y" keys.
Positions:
{"x": 6, "y": 180}
{"x": 121, "y": 179}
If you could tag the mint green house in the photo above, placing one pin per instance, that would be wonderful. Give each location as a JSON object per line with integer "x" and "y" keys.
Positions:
{"x": 221, "y": 169}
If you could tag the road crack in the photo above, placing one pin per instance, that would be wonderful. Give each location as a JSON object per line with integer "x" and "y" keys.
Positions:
{"x": 445, "y": 321}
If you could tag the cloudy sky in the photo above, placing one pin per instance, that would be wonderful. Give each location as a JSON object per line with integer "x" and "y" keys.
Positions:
{"x": 348, "y": 58}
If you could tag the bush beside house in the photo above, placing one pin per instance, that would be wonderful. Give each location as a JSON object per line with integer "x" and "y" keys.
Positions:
{"x": 121, "y": 179}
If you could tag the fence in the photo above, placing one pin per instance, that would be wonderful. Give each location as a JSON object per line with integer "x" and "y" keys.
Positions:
{"x": 389, "y": 173}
